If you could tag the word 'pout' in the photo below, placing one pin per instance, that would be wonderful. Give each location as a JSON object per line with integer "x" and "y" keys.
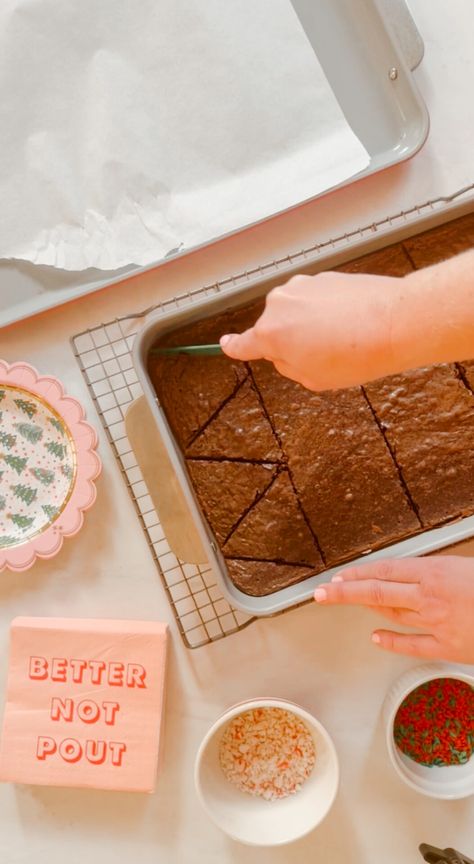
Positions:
{"x": 70, "y": 750}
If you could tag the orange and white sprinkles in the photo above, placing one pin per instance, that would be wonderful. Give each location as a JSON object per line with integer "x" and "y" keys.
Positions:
{"x": 267, "y": 752}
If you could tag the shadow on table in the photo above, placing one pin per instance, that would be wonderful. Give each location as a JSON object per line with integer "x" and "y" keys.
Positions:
{"x": 93, "y": 810}
{"x": 92, "y": 536}
{"x": 335, "y": 840}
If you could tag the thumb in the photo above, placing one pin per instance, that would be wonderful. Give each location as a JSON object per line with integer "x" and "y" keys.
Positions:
{"x": 242, "y": 346}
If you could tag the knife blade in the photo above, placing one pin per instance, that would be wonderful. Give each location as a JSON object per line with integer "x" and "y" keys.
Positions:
{"x": 199, "y": 350}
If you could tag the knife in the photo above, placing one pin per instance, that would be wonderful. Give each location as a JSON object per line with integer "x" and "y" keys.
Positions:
{"x": 199, "y": 350}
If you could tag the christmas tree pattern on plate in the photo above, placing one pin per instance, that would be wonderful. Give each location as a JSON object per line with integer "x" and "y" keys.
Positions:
{"x": 37, "y": 465}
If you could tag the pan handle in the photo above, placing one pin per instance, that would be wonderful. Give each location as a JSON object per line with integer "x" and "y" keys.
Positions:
{"x": 162, "y": 483}
{"x": 404, "y": 29}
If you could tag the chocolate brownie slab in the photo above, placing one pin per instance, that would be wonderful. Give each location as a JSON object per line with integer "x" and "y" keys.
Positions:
{"x": 428, "y": 419}
{"x": 190, "y": 393}
{"x": 466, "y": 371}
{"x": 275, "y": 528}
{"x": 239, "y": 430}
{"x": 344, "y": 475}
{"x": 209, "y": 330}
{"x": 259, "y": 578}
{"x": 226, "y": 490}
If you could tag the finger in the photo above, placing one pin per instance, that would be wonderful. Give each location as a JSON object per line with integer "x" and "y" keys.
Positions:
{"x": 387, "y": 569}
{"x": 413, "y": 644}
{"x": 242, "y": 346}
{"x": 370, "y": 592}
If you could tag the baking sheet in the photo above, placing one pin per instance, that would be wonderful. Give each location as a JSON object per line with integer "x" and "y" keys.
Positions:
{"x": 142, "y": 128}
{"x": 162, "y": 322}
{"x": 389, "y": 118}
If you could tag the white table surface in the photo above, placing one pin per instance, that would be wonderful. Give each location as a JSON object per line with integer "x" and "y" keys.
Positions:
{"x": 321, "y": 658}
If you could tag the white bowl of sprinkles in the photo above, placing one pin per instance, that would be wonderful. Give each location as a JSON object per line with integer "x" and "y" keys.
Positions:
{"x": 267, "y": 772}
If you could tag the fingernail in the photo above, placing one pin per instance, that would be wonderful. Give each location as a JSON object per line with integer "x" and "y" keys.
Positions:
{"x": 224, "y": 340}
{"x": 376, "y": 638}
{"x": 337, "y": 579}
{"x": 320, "y": 595}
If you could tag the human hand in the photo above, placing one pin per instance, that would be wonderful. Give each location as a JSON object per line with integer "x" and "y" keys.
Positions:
{"x": 435, "y": 595}
{"x": 327, "y": 331}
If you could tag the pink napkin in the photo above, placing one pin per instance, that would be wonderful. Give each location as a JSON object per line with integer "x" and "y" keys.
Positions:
{"x": 84, "y": 703}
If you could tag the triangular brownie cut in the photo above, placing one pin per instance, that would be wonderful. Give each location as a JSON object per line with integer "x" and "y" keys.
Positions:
{"x": 240, "y": 430}
{"x": 275, "y": 529}
{"x": 258, "y": 578}
{"x": 191, "y": 389}
{"x": 226, "y": 490}
{"x": 343, "y": 471}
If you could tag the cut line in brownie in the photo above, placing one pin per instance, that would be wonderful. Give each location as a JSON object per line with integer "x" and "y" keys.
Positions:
{"x": 227, "y": 490}
{"x": 240, "y": 429}
{"x": 466, "y": 373}
{"x": 428, "y": 418}
{"x": 211, "y": 380}
{"x": 275, "y": 528}
{"x": 342, "y": 470}
{"x": 191, "y": 393}
{"x": 259, "y": 578}
{"x": 355, "y": 458}
{"x": 412, "y": 503}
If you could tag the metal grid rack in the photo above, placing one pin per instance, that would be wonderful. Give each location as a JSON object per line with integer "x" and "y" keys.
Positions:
{"x": 104, "y": 356}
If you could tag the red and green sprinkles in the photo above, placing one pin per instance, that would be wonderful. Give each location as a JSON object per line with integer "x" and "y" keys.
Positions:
{"x": 434, "y": 725}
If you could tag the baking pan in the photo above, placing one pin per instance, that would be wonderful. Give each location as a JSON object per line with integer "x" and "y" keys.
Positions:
{"x": 367, "y": 49}
{"x": 163, "y": 322}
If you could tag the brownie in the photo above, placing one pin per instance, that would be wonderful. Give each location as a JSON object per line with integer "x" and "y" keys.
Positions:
{"x": 442, "y": 242}
{"x": 258, "y": 578}
{"x": 345, "y": 477}
{"x": 275, "y": 528}
{"x": 466, "y": 372}
{"x": 428, "y": 420}
{"x": 227, "y": 490}
{"x": 209, "y": 330}
{"x": 391, "y": 259}
{"x": 240, "y": 429}
{"x": 291, "y": 481}
{"x": 211, "y": 380}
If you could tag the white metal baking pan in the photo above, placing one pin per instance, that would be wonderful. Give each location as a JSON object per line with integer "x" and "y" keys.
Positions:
{"x": 367, "y": 49}
{"x": 161, "y": 322}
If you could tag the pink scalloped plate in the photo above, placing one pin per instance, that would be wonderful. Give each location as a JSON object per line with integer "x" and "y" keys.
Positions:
{"x": 48, "y": 465}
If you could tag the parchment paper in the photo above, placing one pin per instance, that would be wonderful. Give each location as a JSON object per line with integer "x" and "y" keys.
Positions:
{"x": 130, "y": 129}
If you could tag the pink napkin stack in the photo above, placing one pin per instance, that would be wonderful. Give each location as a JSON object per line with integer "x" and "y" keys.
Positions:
{"x": 84, "y": 703}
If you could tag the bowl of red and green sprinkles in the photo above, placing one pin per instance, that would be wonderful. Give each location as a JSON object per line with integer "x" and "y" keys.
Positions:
{"x": 267, "y": 772}
{"x": 429, "y": 716}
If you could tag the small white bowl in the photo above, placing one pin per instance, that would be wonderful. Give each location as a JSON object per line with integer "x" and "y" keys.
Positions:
{"x": 253, "y": 820}
{"x": 448, "y": 782}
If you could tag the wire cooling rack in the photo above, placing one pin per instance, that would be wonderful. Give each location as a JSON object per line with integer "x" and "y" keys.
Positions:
{"x": 104, "y": 356}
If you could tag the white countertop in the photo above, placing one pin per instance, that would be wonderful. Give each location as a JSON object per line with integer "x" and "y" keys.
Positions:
{"x": 319, "y": 657}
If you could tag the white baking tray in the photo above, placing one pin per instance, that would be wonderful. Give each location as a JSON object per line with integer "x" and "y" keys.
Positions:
{"x": 367, "y": 49}
{"x": 161, "y": 322}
